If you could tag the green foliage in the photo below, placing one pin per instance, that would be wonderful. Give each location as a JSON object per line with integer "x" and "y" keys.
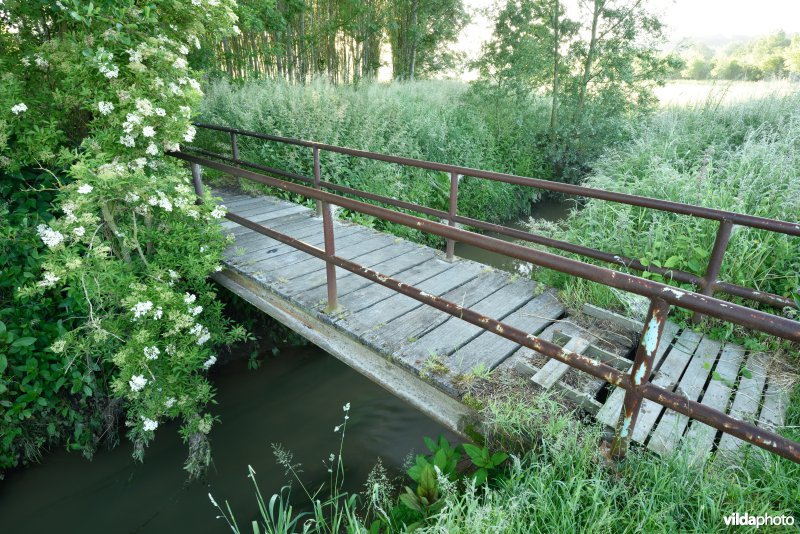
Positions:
{"x": 724, "y": 157}
{"x": 118, "y": 308}
{"x": 426, "y": 120}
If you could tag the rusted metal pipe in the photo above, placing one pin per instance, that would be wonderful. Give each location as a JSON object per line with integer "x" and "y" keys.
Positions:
{"x": 197, "y": 180}
{"x": 451, "y": 219}
{"x": 755, "y": 319}
{"x": 640, "y": 374}
{"x": 317, "y": 177}
{"x": 330, "y": 252}
{"x": 234, "y": 147}
{"x": 709, "y": 280}
{"x": 710, "y": 416}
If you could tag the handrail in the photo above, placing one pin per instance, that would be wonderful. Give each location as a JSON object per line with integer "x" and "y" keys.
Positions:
{"x": 637, "y": 383}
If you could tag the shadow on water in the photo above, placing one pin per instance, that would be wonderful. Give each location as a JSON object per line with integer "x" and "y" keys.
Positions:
{"x": 295, "y": 399}
{"x": 548, "y": 209}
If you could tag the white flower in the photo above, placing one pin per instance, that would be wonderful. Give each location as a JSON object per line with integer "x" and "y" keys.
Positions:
{"x": 141, "y": 308}
{"x": 190, "y": 133}
{"x": 19, "y": 108}
{"x": 201, "y": 332}
{"x": 112, "y": 72}
{"x": 151, "y": 353}
{"x": 105, "y": 107}
{"x": 148, "y": 131}
{"x": 160, "y": 112}
{"x": 173, "y": 275}
{"x": 158, "y": 313}
{"x": 196, "y": 42}
{"x": 144, "y": 106}
{"x": 58, "y": 345}
{"x": 219, "y": 212}
{"x": 189, "y": 298}
{"x": 236, "y": 29}
{"x": 127, "y": 140}
{"x": 132, "y": 197}
{"x": 179, "y": 63}
{"x": 134, "y": 56}
{"x": 26, "y": 61}
{"x": 49, "y": 280}
{"x": 137, "y": 382}
{"x": 149, "y": 424}
{"x": 336, "y": 428}
{"x": 170, "y": 402}
{"x": 85, "y": 189}
{"x": 197, "y": 310}
{"x": 183, "y": 50}
{"x": 79, "y": 231}
{"x": 209, "y": 362}
{"x": 152, "y": 149}
{"x": 346, "y": 407}
{"x": 41, "y": 62}
{"x": 171, "y": 147}
{"x": 195, "y": 84}
{"x": 51, "y": 238}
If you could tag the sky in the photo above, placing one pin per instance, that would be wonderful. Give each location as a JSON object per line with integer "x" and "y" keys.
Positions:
{"x": 685, "y": 19}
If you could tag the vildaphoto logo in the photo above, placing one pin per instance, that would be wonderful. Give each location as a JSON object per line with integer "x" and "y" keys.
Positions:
{"x": 747, "y": 520}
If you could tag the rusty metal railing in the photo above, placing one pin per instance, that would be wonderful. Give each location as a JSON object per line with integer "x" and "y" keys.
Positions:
{"x": 636, "y": 383}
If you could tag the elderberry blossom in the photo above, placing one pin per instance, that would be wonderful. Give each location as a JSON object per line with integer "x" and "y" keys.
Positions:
{"x": 105, "y": 107}
{"x": 148, "y": 424}
{"x": 144, "y": 106}
{"x": 170, "y": 402}
{"x": 137, "y": 382}
{"x": 158, "y": 313}
{"x": 48, "y": 280}
{"x": 85, "y": 189}
{"x": 79, "y": 231}
{"x": 219, "y": 212}
{"x": 19, "y": 108}
{"x": 189, "y": 298}
{"x": 152, "y": 149}
{"x": 148, "y": 131}
{"x": 51, "y": 238}
{"x": 179, "y": 63}
{"x": 141, "y": 308}
{"x": 151, "y": 353}
{"x": 209, "y": 362}
{"x": 190, "y": 133}
{"x": 197, "y": 310}
{"x": 128, "y": 141}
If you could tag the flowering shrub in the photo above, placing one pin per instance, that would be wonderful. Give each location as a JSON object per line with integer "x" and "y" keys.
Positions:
{"x": 95, "y": 94}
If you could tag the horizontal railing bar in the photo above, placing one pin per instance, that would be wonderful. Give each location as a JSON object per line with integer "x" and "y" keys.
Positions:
{"x": 707, "y": 305}
{"x": 710, "y": 416}
{"x": 753, "y": 221}
{"x": 615, "y": 259}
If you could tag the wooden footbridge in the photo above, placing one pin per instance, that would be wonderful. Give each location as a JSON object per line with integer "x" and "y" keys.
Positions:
{"x": 419, "y": 321}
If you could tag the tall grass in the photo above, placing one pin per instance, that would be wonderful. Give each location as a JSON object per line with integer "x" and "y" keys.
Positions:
{"x": 431, "y": 120}
{"x": 743, "y": 157}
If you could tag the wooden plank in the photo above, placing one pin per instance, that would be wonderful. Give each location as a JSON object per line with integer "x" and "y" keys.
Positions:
{"x": 490, "y": 350}
{"x": 425, "y": 318}
{"x": 398, "y": 304}
{"x": 302, "y": 287}
{"x": 553, "y": 370}
{"x": 776, "y": 402}
{"x": 263, "y": 217}
{"x": 700, "y": 437}
{"x": 593, "y": 351}
{"x": 347, "y": 282}
{"x": 667, "y": 377}
{"x": 669, "y": 430}
{"x": 609, "y": 413}
{"x": 298, "y": 227}
{"x": 621, "y": 321}
{"x": 366, "y": 296}
{"x": 747, "y": 400}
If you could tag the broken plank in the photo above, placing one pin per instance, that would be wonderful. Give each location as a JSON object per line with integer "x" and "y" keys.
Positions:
{"x": 747, "y": 400}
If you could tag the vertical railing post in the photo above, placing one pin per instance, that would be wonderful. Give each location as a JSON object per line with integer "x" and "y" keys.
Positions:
{"x": 234, "y": 147}
{"x": 197, "y": 180}
{"x": 640, "y": 374}
{"x": 317, "y": 179}
{"x": 709, "y": 280}
{"x": 330, "y": 251}
{"x": 451, "y": 245}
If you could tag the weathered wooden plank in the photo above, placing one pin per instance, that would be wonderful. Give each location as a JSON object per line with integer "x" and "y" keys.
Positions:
{"x": 490, "y": 350}
{"x": 277, "y": 252}
{"x": 553, "y": 370}
{"x": 297, "y": 226}
{"x": 372, "y": 293}
{"x": 747, "y": 400}
{"x": 398, "y": 304}
{"x": 669, "y": 430}
{"x": 593, "y": 351}
{"x": 667, "y": 377}
{"x": 347, "y": 282}
{"x": 425, "y": 318}
{"x": 626, "y": 323}
{"x": 302, "y": 287}
{"x": 700, "y": 437}
{"x": 611, "y": 409}
{"x": 263, "y": 217}
{"x": 454, "y": 333}
{"x": 363, "y": 244}
{"x": 776, "y": 402}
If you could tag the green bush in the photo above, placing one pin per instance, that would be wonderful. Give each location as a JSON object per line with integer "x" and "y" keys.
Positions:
{"x": 430, "y": 120}
{"x": 742, "y": 158}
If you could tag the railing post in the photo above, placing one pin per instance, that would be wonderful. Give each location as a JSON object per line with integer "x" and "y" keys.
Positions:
{"x": 640, "y": 374}
{"x": 234, "y": 147}
{"x": 330, "y": 251}
{"x": 451, "y": 245}
{"x": 317, "y": 179}
{"x": 197, "y": 181}
{"x": 709, "y": 280}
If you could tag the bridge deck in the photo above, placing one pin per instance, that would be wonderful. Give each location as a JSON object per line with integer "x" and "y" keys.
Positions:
{"x": 443, "y": 350}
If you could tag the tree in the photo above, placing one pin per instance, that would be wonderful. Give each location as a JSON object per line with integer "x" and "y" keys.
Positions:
{"x": 419, "y": 32}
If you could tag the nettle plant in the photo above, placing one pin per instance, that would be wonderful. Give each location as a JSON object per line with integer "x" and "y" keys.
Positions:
{"x": 96, "y": 94}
